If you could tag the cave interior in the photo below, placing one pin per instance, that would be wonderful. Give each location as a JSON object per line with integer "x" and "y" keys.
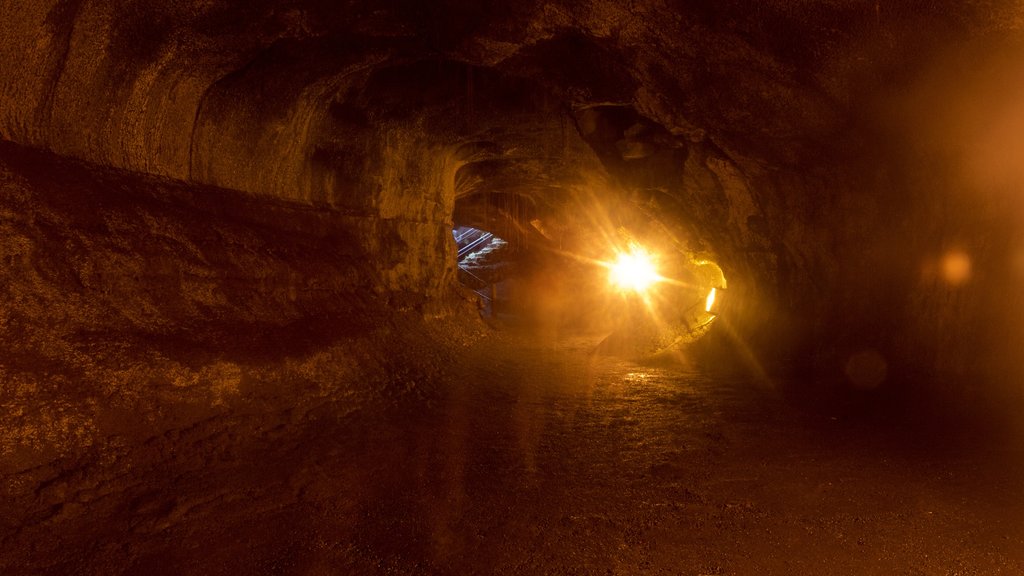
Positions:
{"x": 310, "y": 287}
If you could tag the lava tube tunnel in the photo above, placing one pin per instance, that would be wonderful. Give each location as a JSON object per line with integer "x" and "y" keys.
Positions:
{"x": 430, "y": 288}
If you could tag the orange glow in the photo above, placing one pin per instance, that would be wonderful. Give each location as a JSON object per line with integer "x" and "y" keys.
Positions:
{"x": 956, "y": 267}
{"x": 710, "y": 302}
{"x": 634, "y": 271}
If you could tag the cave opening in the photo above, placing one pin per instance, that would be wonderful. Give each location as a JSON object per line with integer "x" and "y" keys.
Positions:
{"x": 493, "y": 237}
{"x": 584, "y": 263}
{"x": 483, "y": 267}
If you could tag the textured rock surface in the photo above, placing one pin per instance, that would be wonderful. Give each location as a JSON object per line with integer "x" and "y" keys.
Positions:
{"x": 133, "y": 303}
{"x": 516, "y": 457}
{"x": 784, "y": 139}
{"x": 231, "y": 332}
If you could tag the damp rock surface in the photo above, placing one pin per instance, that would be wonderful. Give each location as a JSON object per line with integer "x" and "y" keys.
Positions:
{"x": 520, "y": 456}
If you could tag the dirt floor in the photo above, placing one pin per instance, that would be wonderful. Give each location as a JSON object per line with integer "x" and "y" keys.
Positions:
{"x": 510, "y": 455}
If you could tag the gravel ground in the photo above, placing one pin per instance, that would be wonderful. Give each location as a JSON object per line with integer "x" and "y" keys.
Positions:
{"x": 511, "y": 455}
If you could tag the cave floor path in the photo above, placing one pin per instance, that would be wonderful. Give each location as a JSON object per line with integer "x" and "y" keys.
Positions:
{"x": 535, "y": 458}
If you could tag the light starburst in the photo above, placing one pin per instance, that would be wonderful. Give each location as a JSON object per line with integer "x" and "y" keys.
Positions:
{"x": 635, "y": 270}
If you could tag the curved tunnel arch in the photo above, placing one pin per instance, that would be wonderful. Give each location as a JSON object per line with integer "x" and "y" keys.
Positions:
{"x": 225, "y": 230}
{"x": 347, "y": 108}
{"x": 524, "y": 198}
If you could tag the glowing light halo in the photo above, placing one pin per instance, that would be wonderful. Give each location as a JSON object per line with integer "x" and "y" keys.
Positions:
{"x": 634, "y": 271}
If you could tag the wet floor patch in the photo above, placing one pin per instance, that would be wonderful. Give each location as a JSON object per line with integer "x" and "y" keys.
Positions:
{"x": 527, "y": 459}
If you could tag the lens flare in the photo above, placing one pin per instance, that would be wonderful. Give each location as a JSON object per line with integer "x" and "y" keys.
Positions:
{"x": 956, "y": 267}
{"x": 634, "y": 271}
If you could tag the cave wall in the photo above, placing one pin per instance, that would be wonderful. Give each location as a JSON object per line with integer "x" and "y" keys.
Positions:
{"x": 782, "y": 162}
{"x": 126, "y": 297}
{"x": 296, "y": 104}
{"x": 202, "y": 94}
{"x": 134, "y": 306}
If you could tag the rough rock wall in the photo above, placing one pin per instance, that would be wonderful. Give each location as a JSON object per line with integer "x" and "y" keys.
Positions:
{"x": 811, "y": 168}
{"x": 296, "y": 103}
{"x": 200, "y": 93}
{"x": 362, "y": 108}
{"x": 129, "y": 304}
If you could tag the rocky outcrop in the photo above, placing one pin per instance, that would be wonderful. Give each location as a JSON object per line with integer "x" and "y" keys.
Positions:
{"x": 135, "y": 303}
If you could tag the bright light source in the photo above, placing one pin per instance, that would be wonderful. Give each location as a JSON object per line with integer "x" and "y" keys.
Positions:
{"x": 634, "y": 270}
{"x": 710, "y": 302}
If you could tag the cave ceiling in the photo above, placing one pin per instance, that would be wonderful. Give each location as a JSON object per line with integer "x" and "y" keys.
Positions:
{"x": 290, "y": 99}
{"x": 770, "y": 81}
{"x": 758, "y": 131}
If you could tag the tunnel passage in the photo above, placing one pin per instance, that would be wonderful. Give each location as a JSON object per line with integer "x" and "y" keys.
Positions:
{"x": 788, "y": 146}
{"x": 560, "y": 252}
{"x": 501, "y": 240}
{"x": 234, "y": 341}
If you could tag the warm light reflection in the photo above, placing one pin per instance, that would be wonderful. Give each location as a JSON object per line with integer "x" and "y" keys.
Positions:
{"x": 956, "y": 267}
{"x": 710, "y": 302}
{"x": 634, "y": 270}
